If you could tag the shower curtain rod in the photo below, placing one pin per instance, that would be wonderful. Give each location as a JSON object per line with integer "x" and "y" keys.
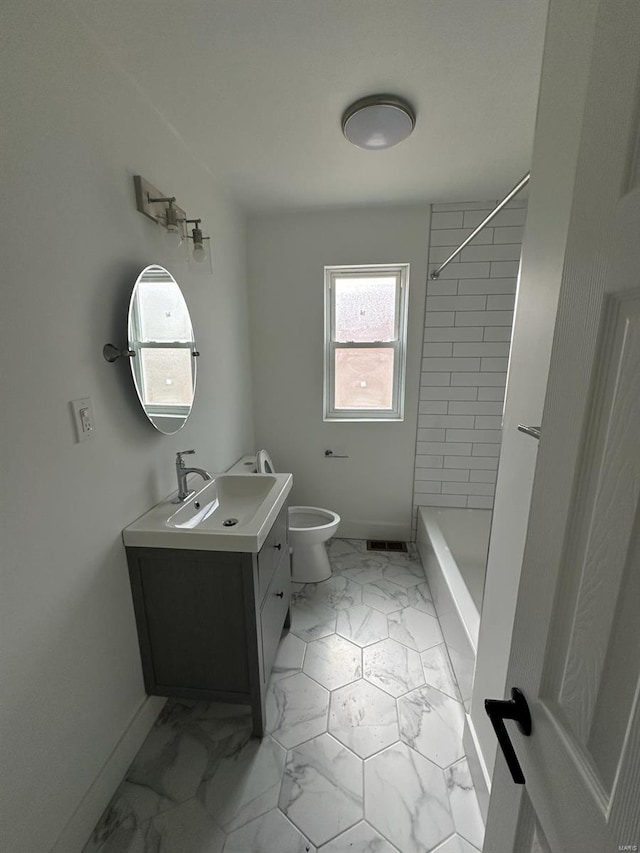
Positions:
{"x": 514, "y": 192}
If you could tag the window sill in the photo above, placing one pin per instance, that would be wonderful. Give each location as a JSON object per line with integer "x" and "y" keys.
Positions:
{"x": 370, "y": 420}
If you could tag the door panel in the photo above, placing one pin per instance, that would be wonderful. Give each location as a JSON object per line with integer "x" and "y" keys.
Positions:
{"x": 584, "y": 758}
{"x": 618, "y": 687}
{"x": 576, "y": 645}
{"x": 601, "y": 526}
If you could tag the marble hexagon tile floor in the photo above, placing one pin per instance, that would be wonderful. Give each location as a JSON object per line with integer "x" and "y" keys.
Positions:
{"x": 364, "y": 746}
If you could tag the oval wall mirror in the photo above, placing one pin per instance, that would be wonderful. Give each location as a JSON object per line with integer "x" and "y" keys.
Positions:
{"x": 161, "y": 336}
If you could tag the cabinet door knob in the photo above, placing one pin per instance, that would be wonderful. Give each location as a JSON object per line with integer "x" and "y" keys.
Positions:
{"x": 278, "y": 546}
{"x": 280, "y": 594}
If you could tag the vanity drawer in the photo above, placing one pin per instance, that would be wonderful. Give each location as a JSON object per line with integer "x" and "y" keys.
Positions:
{"x": 276, "y": 545}
{"x": 273, "y": 614}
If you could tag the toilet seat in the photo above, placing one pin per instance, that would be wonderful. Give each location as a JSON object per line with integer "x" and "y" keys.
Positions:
{"x": 304, "y": 517}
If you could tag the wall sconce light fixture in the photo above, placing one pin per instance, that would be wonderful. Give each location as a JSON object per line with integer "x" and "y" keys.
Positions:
{"x": 162, "y": 209}
{"x": 199, "y": 252}
{"x": 173, "y": 237}
{"x": 165, "y": 212}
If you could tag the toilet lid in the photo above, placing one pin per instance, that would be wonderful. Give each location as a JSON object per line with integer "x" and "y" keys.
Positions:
{"x": 264, "y": 465}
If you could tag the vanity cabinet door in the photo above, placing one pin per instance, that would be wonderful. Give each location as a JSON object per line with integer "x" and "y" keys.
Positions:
{"x": 273, "y": 614}
{"x": 275, "y": 546}
{"x": 191, "y": 621}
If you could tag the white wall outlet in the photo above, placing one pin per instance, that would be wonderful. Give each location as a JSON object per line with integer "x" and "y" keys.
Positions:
{"x": 83, "y": 418}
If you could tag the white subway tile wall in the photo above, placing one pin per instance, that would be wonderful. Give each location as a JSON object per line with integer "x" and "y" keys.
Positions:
{"x": 467, "y": 334}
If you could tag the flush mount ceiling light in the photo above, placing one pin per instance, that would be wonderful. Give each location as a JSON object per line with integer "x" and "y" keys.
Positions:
{"x": 378, "y": 121}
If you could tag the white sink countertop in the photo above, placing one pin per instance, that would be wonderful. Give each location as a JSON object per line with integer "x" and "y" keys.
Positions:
{"x": 244, "y": 465}
{"x": 230, "y": 512}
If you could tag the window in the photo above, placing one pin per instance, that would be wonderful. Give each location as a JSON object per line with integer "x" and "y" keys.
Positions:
{"x": 365, "y": 342}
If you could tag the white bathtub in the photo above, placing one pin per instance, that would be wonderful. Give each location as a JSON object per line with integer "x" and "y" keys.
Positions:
{"x": 453, "y": 545}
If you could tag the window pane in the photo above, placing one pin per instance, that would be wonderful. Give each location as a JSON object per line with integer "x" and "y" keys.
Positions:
{"x": 364, "y": 378}
{"x": 162, "y": 312}
{"x": 365, "y": 308}
{"x": 166, "y": 376}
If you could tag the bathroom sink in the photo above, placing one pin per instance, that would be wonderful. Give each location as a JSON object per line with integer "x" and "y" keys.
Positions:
{"x": 231, "y": 512}
{"x": 230, "y": 500}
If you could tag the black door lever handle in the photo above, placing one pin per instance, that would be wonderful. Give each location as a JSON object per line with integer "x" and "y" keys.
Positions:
{"x": 516, "y": 709}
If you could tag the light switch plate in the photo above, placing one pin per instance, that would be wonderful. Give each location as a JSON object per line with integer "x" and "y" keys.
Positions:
{"x": 83, "y": 418}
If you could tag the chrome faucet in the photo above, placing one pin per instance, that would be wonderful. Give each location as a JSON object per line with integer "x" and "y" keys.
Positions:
{"x": 184, "y": 493}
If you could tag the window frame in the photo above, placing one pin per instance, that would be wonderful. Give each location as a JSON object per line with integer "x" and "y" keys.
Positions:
{"x": 398, "y": 344}
{"x": 165, "y": 410}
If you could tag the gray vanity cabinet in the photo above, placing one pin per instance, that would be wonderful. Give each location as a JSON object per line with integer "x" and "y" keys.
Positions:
{"x": 209, "y": 622}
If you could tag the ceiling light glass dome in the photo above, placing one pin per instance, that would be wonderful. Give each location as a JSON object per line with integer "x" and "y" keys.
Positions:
{"x": 378, "y": 121}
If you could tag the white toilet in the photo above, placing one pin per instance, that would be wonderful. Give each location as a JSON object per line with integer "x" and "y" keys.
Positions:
{"x": 309, "y": 528}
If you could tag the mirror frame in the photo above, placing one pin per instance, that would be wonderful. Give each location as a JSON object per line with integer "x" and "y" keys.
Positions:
{"x": 154, "y": 412}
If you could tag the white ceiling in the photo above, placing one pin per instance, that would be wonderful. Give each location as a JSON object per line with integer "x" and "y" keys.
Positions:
{"x": 256, "y": 89}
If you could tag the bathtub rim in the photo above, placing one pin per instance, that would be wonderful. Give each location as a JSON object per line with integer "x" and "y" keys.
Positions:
{"x": 464, "y": 603}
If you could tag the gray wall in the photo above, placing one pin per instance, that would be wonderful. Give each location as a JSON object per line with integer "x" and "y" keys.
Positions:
{"x": 72, "y": 243}
{"x": 468, "y": 320}
{"x": 371, "y": 490}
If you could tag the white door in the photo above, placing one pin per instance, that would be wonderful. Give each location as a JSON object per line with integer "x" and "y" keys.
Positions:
{"x": 576, "y": 646}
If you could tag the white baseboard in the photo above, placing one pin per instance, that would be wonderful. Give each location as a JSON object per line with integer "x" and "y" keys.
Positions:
{"x": 373, "y": 530}
{"x": 79, "y": 827}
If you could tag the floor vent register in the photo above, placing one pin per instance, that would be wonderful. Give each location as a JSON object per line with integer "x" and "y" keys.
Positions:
{"x": 386, "y": 545}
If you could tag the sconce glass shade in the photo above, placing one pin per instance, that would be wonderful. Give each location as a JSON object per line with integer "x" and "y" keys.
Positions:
{"x": 198, "y": 252}
{"x": 172, "y": 238}
{"x": 200, "y": 255}
{"x": 174, "y": 252}
{"x": 378, "y": 121}
{"x": 200, "y": 259}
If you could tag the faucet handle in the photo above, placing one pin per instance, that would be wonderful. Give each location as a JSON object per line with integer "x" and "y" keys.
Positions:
{"x": 180, "y": 454}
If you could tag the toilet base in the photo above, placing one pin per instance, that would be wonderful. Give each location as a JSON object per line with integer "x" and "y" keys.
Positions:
{"x": 310, "y": 564}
